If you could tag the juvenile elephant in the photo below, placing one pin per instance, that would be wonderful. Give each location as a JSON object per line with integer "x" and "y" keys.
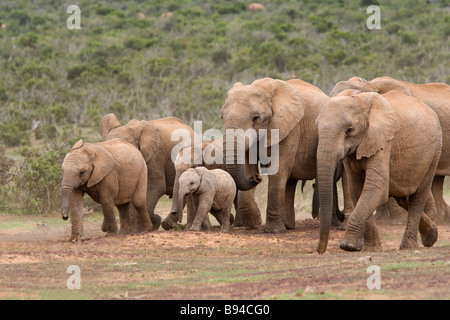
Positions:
{"x": 381, "y": 139}
{"x": 291, "y": 107}
{"x": 211, "y": 191}
{"x": 112, "y": 173}
{"x": 434, "y": 95}
{"x": 247, "y": 212}
{"x": 154, "y": 140}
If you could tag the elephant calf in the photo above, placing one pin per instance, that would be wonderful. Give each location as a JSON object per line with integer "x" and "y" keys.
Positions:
{"x": 112, "y": 173}
{"x": 211, "y": 191}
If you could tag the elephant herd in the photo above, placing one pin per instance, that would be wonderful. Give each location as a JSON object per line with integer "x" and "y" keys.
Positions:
{"x": 388, "y": 141}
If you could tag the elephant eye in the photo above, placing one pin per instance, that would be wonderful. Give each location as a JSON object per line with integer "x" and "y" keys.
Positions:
{"x": 255, "y": 118}
{"x": 349, "y": 131}
{"x": 82, "y": 173}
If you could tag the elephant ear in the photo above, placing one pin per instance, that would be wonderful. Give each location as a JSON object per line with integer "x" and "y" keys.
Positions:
{"x": 103, "y": 163}
{"x": 206, "y": 180}
{"x": 288, "y": 105}
{"x": 77, "y": 145}
{"x": 149, "y": 141}
{"x": 108, "y": 123}
{"x": 382, "y": 125}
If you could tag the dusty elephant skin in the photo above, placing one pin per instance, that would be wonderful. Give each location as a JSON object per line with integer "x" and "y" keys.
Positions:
{"x": 154, "y": 141}
{"x": 381, "y": 139}
{"x": 434, "y": 95}
{"x": 247, "y": 211}
{"x": 211, "y": 191}
{"x": 291, "y": 107}
{"x": 112, "y": 173}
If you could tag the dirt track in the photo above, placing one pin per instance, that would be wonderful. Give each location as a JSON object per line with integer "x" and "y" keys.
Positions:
{"x": 189, "y": 265}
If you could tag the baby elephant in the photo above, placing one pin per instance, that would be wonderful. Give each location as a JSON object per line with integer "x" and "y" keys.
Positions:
{"x": 211, "y": 191}
{"x": 112, "y": 173}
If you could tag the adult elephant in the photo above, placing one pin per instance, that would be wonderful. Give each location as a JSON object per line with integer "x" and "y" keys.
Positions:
{"x": 247, "y": 212}
{"x": 380, "y": 139}
{"x": 154, "y": 140}
{"x": 434, "y": 95}
{"x": 291, "y": 107}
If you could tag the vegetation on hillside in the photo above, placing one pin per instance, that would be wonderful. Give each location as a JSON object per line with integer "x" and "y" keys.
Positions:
{"x": 130, "y": 60}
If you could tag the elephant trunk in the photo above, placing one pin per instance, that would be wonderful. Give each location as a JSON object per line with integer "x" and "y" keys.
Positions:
{"x": 326, "y": 172}
{"x": 170, "y": 222}
{"x": 65, "y": 206}
{"x": 238, "y": 166}
{"x": 180, "y": 202}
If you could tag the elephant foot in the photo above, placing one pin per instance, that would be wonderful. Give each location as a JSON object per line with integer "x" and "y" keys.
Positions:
{"x": 74, "y": 238}
{"x": 276, "y": 226}
{"x": 124, "y": 231}
{"x": 112, "y": 233}
{"x": 372, "y": 248}
{"x": 168, "y": 225}
{"x": 196, "y": 228}
{"x": 156, "y": 221}
{"x": 146, "y": 227}
{"x": 409, "y": 243}
{"x": 351, "y": 244}
{"x": 430, "y": 238}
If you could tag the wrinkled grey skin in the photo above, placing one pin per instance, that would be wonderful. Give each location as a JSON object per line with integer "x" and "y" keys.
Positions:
{"x": 291, "y": 107}
{"x": 371, "y": 134}
{"x": 437, "y": 97}
{"x": 112, "y": 173}
{"x": 154, "y": 140}
{"x": 247, "y": 212}
{"x": 211, "y": 191}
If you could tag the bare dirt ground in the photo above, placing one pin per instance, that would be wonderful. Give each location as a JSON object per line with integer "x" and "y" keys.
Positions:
{"x": 244, "y": 264}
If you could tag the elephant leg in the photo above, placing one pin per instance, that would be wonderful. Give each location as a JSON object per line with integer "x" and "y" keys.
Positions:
{"x": 275, "y": 204}
{"x": 396, "y": 212}
{"x": 123, "y": 218}
{"x": 239, "y": 219}
{"x": 153, "y": 195}
{"x": 76, "y": 217}
{"x": 248, "y": 210}
{"x": 109, "y": 219}
{"x": 427, "y": 229}
{"x": 437, "y": 189}
{"x": 372, "y": 240}
{"x": 288, "y": 213}
{"x": 370, "y": 197}
{"x": 170, "y": 222}
{"x": 382, "y": 212}
{"x": 224, "y": 215}
{"x": 415, "y": 213}
{"x": 145, "y": 223}
{"x": 205, "y": 201}
{"x": 346, "y": 186}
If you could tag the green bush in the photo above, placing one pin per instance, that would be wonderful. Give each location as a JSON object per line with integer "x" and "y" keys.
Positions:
{"x": 38, "y": 181}
{"x": 28, "y": 40}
